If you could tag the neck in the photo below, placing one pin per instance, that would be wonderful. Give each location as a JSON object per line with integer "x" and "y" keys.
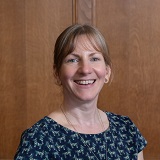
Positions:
{"x": 82, "y": 113}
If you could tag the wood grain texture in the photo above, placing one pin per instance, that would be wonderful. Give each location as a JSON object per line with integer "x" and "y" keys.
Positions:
{"x": 42, "y": 29}
{"x": 28, "y": 30}
{"x": 132, "y": 32}
{"x": 85, "y": 11}
{"x": 12, "y": 76}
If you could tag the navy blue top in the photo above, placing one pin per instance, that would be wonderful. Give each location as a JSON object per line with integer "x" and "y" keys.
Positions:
{"x": 49, "y": 140}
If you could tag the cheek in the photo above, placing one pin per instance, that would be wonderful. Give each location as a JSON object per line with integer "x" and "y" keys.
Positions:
{"x": 102, "y": 74}
{"x": 65, "y": 74}
{"x": 101, "y": 71}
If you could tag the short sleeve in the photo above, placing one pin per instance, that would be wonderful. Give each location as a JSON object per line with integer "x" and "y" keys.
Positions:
{"x": 33, "y": 145}
{"x": 140, "y": 141}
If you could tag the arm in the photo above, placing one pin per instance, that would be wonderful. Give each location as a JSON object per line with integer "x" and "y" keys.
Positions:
{"x": 140, "y": 156}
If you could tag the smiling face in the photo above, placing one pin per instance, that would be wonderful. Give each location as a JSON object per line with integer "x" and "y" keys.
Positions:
{"x": 83, "y": 71}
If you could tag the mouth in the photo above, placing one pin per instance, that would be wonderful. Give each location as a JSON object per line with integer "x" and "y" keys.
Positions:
{"x": 84, "y": 82}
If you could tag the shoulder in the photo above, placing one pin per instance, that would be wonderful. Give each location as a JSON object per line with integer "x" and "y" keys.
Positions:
{"x": 122, "y": 123}
{"x": 125, "y": 128}
{"x": 119, "y": 119}
{"x": 34, "y": 141}
{"x": 39, "y": 129}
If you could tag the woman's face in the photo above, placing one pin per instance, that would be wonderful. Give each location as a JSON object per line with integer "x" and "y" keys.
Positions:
{"x": 83, "y": 72}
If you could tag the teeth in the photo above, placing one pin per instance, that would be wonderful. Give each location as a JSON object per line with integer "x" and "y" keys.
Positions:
{"x": 85, "y": 82}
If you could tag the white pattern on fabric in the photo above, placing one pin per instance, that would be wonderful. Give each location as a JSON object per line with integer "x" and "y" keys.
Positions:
{"x": 49, "y": 140}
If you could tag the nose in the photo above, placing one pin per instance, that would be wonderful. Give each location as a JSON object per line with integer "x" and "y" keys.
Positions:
{"x": 85, "y": 68}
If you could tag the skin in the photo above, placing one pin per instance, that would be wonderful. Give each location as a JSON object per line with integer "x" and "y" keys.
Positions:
{"x": 83, "y": 65}
{"x": 82, "y": 75}
{"x": 140, "y": 156}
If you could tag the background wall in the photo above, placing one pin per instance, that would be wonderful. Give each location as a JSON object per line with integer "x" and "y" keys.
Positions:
{"x": 132, "y": 30}
{"x": 28, "y": 30}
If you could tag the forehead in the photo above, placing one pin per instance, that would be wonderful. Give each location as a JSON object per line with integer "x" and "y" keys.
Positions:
{"x": 85, "y": 42}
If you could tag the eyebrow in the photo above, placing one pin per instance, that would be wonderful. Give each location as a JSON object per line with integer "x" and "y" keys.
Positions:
{"x": 90, "y": 55}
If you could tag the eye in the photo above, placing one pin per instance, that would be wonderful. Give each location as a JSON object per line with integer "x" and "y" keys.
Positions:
{"x": 95, "y": 59}
{"x": 72, "y": 60}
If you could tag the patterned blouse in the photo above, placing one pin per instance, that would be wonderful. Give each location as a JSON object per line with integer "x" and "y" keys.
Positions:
{"x": 49, "y": 140}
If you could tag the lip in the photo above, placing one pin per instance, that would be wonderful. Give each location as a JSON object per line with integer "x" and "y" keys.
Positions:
{"x": 85, "y": 82}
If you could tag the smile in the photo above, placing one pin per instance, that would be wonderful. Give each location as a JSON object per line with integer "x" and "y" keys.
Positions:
{"x": 84, "y": 82}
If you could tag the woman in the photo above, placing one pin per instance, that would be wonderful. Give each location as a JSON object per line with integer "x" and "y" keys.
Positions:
{"x": 78, "y": 129}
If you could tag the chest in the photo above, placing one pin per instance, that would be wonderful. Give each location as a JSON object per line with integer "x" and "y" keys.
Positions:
{"x": 97, "y": 147}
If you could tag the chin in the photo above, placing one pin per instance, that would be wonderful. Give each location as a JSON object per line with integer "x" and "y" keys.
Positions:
{"x": 87, "y": 98}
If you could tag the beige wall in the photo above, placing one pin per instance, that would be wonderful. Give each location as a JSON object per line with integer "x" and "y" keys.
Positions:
{"x": 28, "y": 30}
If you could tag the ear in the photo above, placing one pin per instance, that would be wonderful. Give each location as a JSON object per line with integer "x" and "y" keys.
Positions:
{"x": 56, "y": 75}
{"x": 108, "y": 72}
{"x": 58, "y": 81}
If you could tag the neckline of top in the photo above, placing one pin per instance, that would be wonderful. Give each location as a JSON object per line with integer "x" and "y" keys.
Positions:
{"x": 65, "y": 128}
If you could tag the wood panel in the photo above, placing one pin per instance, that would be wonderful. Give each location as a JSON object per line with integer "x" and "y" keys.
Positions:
{"x": 84, "y": 11}
{"x": 28, "y": 30}
{"x": 42, "y": 29}
{"x": 12, "y": 75}
{"x": 132, "y": 31}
